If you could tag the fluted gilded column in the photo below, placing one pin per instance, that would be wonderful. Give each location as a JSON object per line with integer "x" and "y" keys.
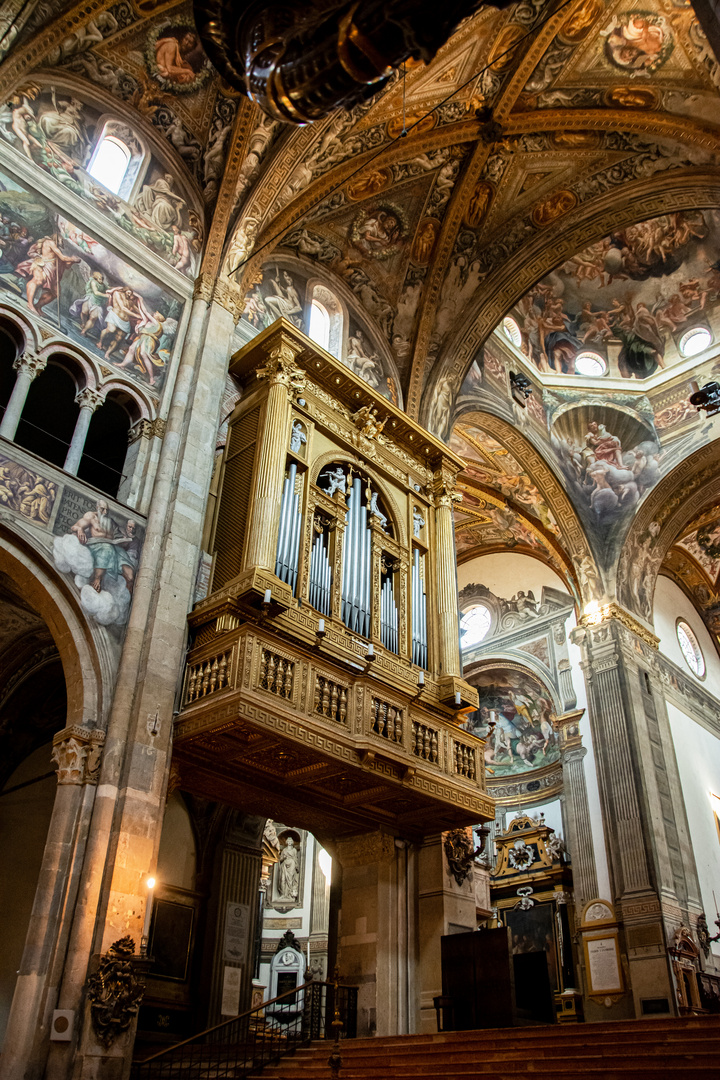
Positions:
{"x": 28, "y": 367}
{"x": 88, "y": 400}
{"x": 284, "y": 379}
{"x": 446, "y": 577}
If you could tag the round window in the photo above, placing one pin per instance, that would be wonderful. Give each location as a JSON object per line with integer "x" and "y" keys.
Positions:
{"x": 474, "y": 625}
{"x": 512, "y": 331}
{"x": 590, "y": 363}
{"x": 690, "y": 648}
{"x": 695, "y": 341}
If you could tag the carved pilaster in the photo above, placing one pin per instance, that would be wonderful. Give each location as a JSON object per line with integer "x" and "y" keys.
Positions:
{"x": 579, "y": 838}
{"x": 77, "y": 751}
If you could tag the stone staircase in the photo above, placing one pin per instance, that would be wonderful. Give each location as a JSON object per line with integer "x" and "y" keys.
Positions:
{"x": 682, "y": 1049}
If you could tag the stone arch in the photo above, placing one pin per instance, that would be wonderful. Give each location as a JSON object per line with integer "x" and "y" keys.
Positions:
{"x": 663, "y": 515}
{"x": 86, "y": 670}
{"x": 572, "y": 548}
{"x": 684, "y": 189}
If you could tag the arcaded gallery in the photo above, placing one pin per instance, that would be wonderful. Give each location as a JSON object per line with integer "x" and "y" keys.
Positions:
{"x": 359, "y": 540}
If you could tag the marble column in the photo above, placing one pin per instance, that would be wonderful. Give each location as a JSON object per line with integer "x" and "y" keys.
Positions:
{"x": 446, "y": 578}
{"x": 76, "y": 752}
{"x": 284, "y": 379}
{"x": 88, "y": 400}
{"x": 28, "y": 367}
{"x": 652, "y": 869}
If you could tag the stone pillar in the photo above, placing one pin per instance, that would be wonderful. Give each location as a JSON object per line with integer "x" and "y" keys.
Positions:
{"x": 127, "y": 816}
{"x": 652, "y": 869}
{"x": 283, "y": 378}
{"x": 88, "y": 400}
{"x": 446, "y": 905}
{"x": 576, "y": 810}
{"x": 237, "y": 888}
{"x": 376, "y": 932}
{"x": 76, "y": 751}
{"x": 446, "y": 577}
{"x": 28, "y": 366}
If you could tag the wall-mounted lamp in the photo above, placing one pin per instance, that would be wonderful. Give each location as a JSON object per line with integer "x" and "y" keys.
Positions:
{"x": 150, "y": 883}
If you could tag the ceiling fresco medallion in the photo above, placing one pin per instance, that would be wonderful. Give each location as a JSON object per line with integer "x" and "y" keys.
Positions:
{"x": 379, "y": 231}
{"x": 638, "y": 42}
{"x": 369, "y": 184}
{"x": 554, "y": 207}
{"x": 175, "y": 58}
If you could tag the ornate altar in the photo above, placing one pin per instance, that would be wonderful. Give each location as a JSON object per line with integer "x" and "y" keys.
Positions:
{"x": 324, "y": 679}
{"x": 531, "y": 891}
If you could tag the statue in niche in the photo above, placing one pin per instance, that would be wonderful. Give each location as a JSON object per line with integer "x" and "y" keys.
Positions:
{"x": 297, "y": 437}
{"x": 418, "y": 522}
{"x": 289, "y": 871}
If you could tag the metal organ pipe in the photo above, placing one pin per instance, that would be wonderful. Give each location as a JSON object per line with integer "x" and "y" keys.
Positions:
{"x": 419, "y": 612}
{"x": 356, "y": 565}
{"x": 286, "y": 562}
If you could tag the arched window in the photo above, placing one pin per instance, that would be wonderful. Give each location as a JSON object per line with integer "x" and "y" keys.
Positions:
{"x": 326, "y": 319}
{"x": 319, "y": 324}
{"x": 106, "y": 445}
{"x": 9, "y": 351}
{"x": 110, "y": 163}
{"x": 48, "y": 419}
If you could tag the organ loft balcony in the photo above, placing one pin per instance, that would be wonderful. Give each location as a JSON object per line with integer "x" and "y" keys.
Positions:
{"x": 323, "y": 683}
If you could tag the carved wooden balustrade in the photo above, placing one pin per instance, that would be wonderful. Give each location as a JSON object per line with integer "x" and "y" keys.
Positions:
{"x": 332, "y": 736}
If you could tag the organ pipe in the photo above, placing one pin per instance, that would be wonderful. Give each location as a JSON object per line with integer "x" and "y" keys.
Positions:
{"x": 286, "y": 564}
{"x": 356, "y": 565}
{"x": 320, "y": 577}
{"x": 388, "y": 616}
{"x": 419, "y": 611}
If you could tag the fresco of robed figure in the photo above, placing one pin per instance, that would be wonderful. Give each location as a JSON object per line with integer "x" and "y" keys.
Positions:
{"x": 515, "y": 717}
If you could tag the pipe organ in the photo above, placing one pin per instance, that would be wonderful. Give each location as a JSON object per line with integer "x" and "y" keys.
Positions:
{"x": 334, "y": 564}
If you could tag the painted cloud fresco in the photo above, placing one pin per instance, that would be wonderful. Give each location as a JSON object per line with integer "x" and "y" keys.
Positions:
{"x": 515, "y": 719}
{"x": 59, "y": 134}
{"x": 629, "y": 297}
{"x": 64, "y": 274}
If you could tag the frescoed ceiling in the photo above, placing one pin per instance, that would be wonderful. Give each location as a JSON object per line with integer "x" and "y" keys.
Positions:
{"x": 693, "y": 563}
{"x": 555, "y": 160}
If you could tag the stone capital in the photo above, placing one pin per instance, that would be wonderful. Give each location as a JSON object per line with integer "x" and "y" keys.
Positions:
{"x": 89, "y": 399}
{"x": 574, "y": 754}
{"x": 77, "y": 751}
{"x": 365, "y": 850}
{"x": 222, "y": 291}
{"x": 30, "y": 365}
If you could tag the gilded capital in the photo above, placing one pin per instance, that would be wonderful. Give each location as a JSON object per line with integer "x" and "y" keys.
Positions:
{"x": 281, "y": 367}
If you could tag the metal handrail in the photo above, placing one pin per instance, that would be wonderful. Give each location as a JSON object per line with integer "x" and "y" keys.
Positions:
{"x": 246, "y": 1043}
{"x": 232, "y": 1020}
